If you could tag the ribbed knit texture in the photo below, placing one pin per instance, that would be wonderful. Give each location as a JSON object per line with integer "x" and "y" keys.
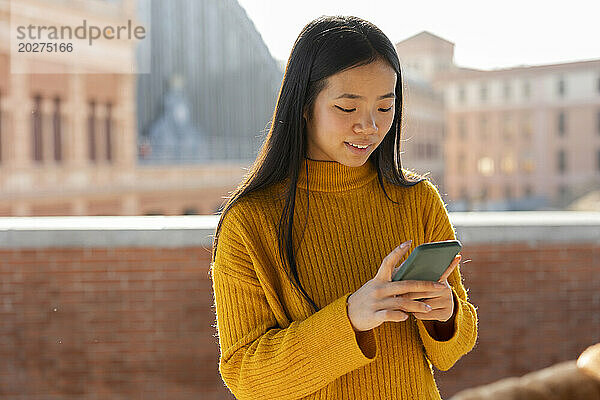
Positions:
{"x": 273, "y": 346}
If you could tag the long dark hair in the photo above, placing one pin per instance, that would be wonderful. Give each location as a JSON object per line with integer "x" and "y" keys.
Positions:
{"x": 327, "y": 45}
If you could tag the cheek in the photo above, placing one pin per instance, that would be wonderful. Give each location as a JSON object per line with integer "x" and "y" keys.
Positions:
{"x": 332, "y": 127}
{"x": 386, "y": 123}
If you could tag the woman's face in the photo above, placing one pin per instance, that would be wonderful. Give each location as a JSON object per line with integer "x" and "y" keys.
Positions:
{"x": 356, "y": 107}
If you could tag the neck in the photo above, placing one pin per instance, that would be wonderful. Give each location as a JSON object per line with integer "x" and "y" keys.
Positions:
{"x": 332, "y": 176}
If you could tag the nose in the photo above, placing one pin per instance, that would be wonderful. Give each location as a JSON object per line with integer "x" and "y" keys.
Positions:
{"x": 366, "y": 125}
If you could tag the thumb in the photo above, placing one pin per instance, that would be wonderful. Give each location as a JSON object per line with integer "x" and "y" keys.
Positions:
{"x": 450, "y": 268}
{"x": 391, "y": 260}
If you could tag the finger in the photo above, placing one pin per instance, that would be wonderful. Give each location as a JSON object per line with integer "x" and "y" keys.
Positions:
{"x": 430, "y": 316}
{"x": 405, "y": 305}
{"x": 423, "y": 295}
{"x": 391, "y": 260}
{"x": 391, "y": 315}
{"x": 435, "y": 304}
{"x": 450, "y": 268}
{"x": 402, "y": 287}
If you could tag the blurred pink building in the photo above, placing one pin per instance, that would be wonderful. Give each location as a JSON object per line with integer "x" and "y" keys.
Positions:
{"x": 68, "y": 141}
{"x": 518, "y": 138}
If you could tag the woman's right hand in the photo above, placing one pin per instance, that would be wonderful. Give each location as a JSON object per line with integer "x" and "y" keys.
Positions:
{"x": 376, "y": 302}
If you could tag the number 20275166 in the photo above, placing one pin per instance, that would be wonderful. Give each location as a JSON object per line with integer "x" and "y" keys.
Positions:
{"x": 44, "y": 47}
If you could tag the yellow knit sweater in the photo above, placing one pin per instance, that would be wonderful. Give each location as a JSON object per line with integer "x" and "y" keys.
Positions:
{"x": 273, "y": 346}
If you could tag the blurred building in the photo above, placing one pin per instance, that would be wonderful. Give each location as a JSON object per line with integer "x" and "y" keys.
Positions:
{"x": 68, "y": 141}
{"x": 228, "y": 79}
{"x": 64, "y": 137}
{"x": 517, "y": 138}
{"x": 422, "y": 56}
{"x": 423, "y": 129}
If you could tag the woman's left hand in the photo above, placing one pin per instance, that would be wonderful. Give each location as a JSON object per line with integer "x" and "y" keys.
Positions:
{"x": 441, "y": 300}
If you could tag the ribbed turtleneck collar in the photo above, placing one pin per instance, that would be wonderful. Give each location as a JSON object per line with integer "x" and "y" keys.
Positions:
{"x": 332, "y": 176}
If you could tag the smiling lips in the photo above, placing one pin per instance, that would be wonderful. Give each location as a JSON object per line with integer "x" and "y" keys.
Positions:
{"x": 357, "y": 149}
{"x": 359, "y": 145}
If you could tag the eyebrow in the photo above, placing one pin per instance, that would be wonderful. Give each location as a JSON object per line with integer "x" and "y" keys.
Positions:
{"x": 355, "y": 96}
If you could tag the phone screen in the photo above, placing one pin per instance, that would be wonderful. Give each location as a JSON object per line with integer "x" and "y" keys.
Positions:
{"x": 428, "y": 261}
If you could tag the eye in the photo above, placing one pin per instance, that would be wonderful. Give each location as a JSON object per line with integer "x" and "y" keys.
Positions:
{"x": 343, "y": 109}
{"x": 353, "y": 109}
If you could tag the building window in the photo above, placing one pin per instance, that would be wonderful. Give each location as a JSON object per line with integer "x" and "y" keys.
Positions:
{"x": 507, "y": 127}
{"x": 462, "y": 128}
{"x": 461, "y": 164}
{"x": 441, "y": 66}
{"x": 526, "y": 90}
{"x": 485, "y": 166}
{"x": 57, "y": 127}
{"x": 429, "y": 151}
{"x": 528, "y": 164}
{"x": 92, "y": 130}
{"x": 506, "y": 90}
{"x": 483, "y": 92}
{"x": 108, "y": 129}
{"x": 526, "y": 126}
{"x": 461, "y": 94}
{"x": 561, "y": 123}
{"x": 561, "y": 87}
{"x": 190, "y": 211}
{"x": 483, "y": 126}
{"x": 36, "y": 124}
{"x": 528, "y": 191}
{"x": 562, "y": 162}
{"x": 508, "y": 192}
{"x": 508, "y": 164}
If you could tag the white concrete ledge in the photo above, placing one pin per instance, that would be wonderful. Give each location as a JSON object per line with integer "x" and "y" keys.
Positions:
{"x": 198, "y": 230}
{"x": 101, "y": 231}
{"x": 527, "y": 226}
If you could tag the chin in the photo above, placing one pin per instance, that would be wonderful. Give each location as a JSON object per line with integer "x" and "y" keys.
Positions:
{"x": 355, "y": 161}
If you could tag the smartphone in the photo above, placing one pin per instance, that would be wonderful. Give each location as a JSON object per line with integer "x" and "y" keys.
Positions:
{"x": 428, "y": 261}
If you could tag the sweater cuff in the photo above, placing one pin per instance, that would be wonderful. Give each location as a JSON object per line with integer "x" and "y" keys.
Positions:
{"x": 330, "y": 329}
{"x": 444, "y": 354}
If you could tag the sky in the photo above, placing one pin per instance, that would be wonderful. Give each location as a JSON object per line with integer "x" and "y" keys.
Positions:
{"x": 486, "y": 34}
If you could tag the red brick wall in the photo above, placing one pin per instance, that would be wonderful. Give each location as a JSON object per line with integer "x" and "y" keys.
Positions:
{"x": 139, "y": 323}
{"x": 129, "y": 324}
{"x": 537, "y": 305}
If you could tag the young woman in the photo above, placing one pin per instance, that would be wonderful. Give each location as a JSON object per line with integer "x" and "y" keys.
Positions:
{"x": 306, "y": 246}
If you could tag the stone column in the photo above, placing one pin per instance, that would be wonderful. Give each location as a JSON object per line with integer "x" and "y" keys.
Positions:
{"x": 76, "y": 109}
{"x": 19, "y": 154}
{"x": 20, "y": 107}
{"x": 125, "y": 128}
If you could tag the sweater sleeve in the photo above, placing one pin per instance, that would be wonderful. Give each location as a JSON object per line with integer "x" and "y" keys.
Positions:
{"x": 444, "y": 354}
{"x": 259, "y": 359}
